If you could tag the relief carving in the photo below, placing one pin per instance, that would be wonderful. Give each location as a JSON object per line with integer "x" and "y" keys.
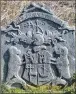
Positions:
{"x": 14, "y": 67}
{"x": 38, "y": 48}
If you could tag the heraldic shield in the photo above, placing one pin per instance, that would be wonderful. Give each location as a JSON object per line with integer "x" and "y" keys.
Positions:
{"x": 39, "y": 72}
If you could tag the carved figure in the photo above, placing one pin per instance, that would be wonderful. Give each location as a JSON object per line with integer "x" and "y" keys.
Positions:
{"x": 14, "y": 67}
{"x": 63, "y": 62}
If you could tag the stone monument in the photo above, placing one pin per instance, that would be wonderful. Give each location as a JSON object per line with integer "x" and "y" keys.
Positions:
{"x": 37, "y": 49}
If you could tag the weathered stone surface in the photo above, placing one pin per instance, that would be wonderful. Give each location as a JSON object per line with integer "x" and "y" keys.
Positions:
{"x": 38, "y": 48}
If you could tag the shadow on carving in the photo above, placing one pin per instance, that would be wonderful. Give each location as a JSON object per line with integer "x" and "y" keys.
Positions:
{"x": 56, "y": 55}
{"x": 6, "y": 57}
{"x": 17, "y": 85}
{"x": 55, "y": 70}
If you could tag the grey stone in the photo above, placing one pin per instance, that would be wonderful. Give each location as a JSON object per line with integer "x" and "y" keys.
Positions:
{"x": 37, "y": 48}
{"x": 14, "y": 67}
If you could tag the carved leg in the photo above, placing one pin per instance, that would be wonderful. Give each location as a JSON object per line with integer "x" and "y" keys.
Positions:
{"x": 9, "y": 83}
{"x": 20, "y": 80}
{"x": 52, "y": 73}
{"x": 16, "y": 79}
{"x": 59, "y": 81}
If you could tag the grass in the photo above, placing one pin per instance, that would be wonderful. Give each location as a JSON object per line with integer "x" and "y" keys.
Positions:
{"x": 47, "y": 89}
{"x": 42, "y": 89}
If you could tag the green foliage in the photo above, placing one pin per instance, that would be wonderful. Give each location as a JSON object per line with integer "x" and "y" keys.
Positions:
{"x": 40, "y": 89}
{"x": 47, "y": 89}
{"x": 5, "y": 89}
{"x": 74, "y": 76}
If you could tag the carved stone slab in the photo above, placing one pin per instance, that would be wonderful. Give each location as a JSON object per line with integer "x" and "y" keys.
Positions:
{"x": 38, "y": 48}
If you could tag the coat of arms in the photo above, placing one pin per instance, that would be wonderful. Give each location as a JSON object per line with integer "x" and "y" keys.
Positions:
{"x": 36, "y": 49}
